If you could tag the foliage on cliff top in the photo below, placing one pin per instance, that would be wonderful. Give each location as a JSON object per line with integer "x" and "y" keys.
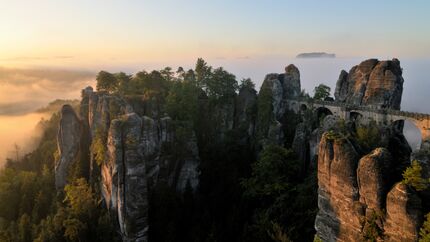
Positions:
{"x": 321, "y": 92}
{"x": 368, "y": 136}
{"x": 413, "y": 177}
{"x": 425, "y": 230}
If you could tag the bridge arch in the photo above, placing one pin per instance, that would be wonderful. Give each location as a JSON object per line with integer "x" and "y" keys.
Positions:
{"x": 355, "y": 116}
{"x": 322, "y": 112}
{"x": 303, "y": 107}
{"x": 411, "y": 130}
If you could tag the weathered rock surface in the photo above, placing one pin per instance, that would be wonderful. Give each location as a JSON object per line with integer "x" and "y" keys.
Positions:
{"x": 274, "y": 92}
{"x": 246, "y": 110}
{"x": 128, "y": 193}
{"x": 138, "y": 153}
{"x": 378, "y": 84}
{"x": 291, "y": 81}
{"x": 301, "y": 144}
{"x": 68, "y": 141}
{"x": 373, "y": 175}
{"x": 404, "y": 214}
{"x": 353, "y": 199}
{"x": 339, "y": 214}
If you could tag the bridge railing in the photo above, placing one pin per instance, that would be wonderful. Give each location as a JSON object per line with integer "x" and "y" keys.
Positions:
{"x": 350, "y": 107}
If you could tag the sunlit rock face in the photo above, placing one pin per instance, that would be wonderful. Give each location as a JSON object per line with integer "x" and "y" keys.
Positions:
{"x": 404, "y": 214}
{"x": 356, "y": 195}
{"x": 374, "y": 83}
{"x": 374, "y": 176}
{"x": 68, "y": 141}
{"x": 339, "y": 213}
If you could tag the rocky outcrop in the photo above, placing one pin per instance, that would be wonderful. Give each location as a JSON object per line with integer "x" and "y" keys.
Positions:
{"x": 246, "y": 110}
{"x": 143, "y": 152}
{"x": 274, "y": 92}
{"x": 404, "y": 214}
{"x": 374, "y": 83}
{"x": 124, "y": 185}
{"x": 291, "y": 81}
{"x": 301, "y": 145}
{"x": 373, "y": 175}
{"x": 137, "y": 153}
{"x": 355, "y": 201}
{"x": 339, "y": 214}
{"x": 68, "y": 141}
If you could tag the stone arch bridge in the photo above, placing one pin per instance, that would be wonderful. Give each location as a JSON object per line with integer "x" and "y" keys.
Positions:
{"x": 366, "y": 114}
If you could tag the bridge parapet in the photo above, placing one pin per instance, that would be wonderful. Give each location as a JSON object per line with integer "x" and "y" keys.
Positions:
{"x": 414, "y": 115}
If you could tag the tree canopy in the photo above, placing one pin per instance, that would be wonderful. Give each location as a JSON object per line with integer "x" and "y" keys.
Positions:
{"x": 321, "y": 92}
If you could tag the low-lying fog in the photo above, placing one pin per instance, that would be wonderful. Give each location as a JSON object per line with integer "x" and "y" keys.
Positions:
{"x": 22, "y": 91}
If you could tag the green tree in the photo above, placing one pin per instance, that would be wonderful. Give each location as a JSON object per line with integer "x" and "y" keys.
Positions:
{"x": 283, "y": 195}
{"x": 106, "y": 82}
{"x": 272, "y": 173}
{"x": 425, "y": 230}
{"x": 123, "y": 82}
{"x": 167, "y": 73}
{"x": 182, "y": 100}
{"x": 368, "y": 136}
{"x": 80, "y": 198}
{"x": 413, "y": 176}
{"x": 151, "y": 85}
{"x": 202, "y": 73}
{"x": 222, "y": 85}
{"x": 246, "y": 83}
{"x": 24, "y": 228}
{"x": 321, "y": 92}
{"x": 74, "y": 229}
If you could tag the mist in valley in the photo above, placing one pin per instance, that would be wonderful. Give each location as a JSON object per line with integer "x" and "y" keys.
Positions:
{"x": 23, "y": 91}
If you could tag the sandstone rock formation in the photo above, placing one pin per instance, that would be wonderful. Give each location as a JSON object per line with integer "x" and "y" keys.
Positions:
{"x": 275, "y": 90}
{"x": 139, "y": 152}
{"x": 354, "y": 200}
{"x": 374, "y": 83}
{"x": 404, "y": 214}
{"x": 68, "y": 141}
{"x": 124, "y": 185}
{"x": 338, "y": 218}
{"x": 373, "y": 176}
{"x": 246, "y": 108}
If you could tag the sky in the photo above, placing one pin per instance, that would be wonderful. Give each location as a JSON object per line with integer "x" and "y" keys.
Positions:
{"x": 112, "y": 33}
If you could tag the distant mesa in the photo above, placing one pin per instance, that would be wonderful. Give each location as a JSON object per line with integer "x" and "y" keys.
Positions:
{"x": 316, "y": 55}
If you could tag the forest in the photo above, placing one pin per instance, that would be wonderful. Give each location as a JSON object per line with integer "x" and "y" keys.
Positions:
{"x": 246, "y": 192}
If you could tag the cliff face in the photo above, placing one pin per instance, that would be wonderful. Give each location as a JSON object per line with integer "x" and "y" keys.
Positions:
{"x": 404, "y": 214}
{"x": 360, "y": 195}
{"x": 275, "y": 91}
{"x": 132, "y": 146}
{"x": 129, "y": 153}
{"x": 374, "y": 83}
{"x": 339, "y": 216}
{"x": 68, "y": 141}
{"x": 355, "y": 195}
{"x": 124, "y": 185}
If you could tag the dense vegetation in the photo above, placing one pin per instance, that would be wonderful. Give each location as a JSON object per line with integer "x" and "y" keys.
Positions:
{"x": 240, "y": 197}
{"x": 32, "y": 210}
